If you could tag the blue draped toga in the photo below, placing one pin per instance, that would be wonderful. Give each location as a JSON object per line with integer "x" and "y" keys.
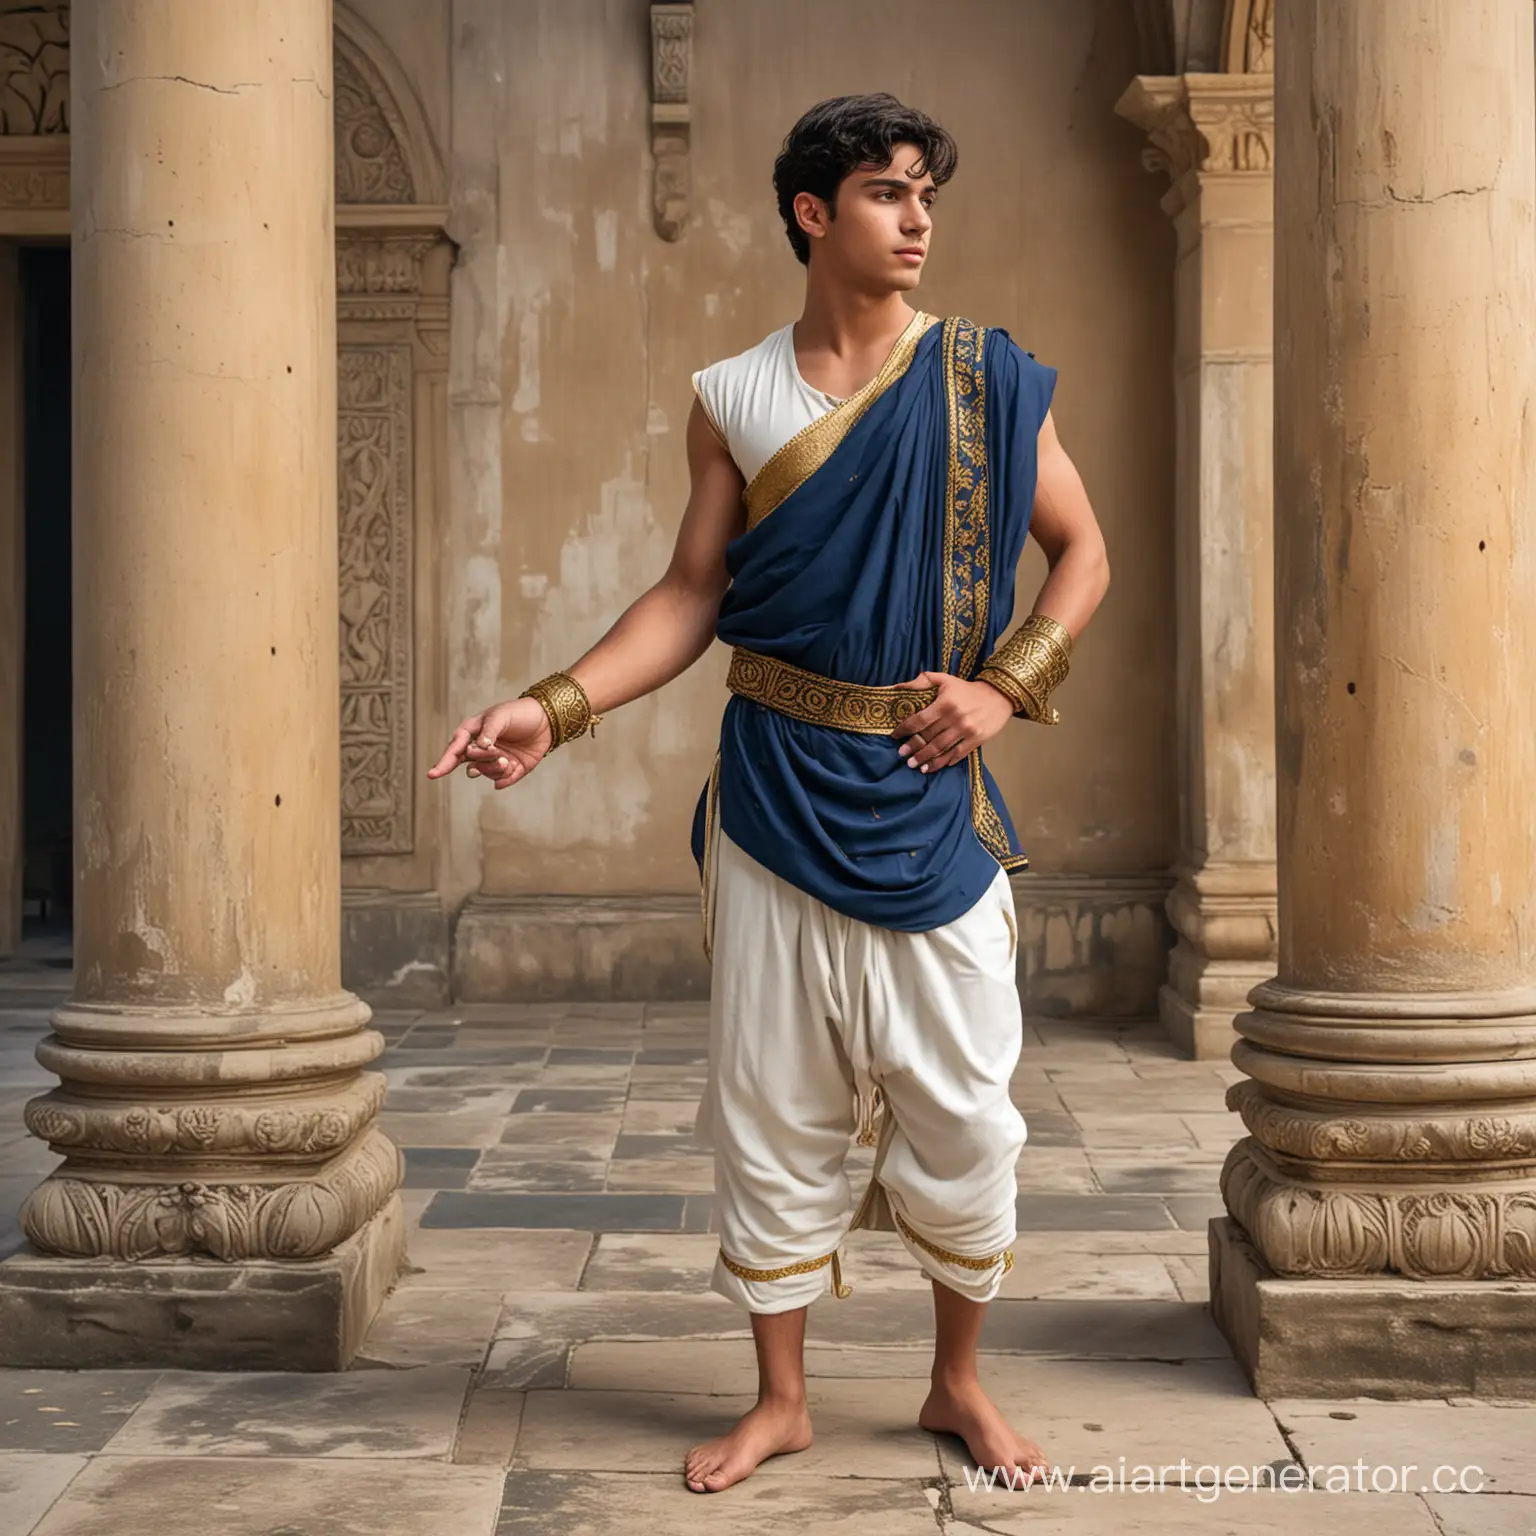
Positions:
{"x": 882, "y": 542}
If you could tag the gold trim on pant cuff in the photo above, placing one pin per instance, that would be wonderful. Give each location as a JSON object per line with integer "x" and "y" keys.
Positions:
{"x": 801, "y": 1267}
{"x": 966, "y": 1261}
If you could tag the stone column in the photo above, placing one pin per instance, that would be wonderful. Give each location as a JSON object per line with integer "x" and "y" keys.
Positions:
{"x": 1382, "y": 1237}
{"x": 1214, "y": 135}
{"x": 212, "y": 1103}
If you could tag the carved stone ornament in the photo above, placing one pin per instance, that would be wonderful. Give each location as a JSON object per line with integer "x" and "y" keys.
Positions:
{"x": 306, "y": 1127}
{"x": 88, "y": 1217}
{"x": 1203, "y": 122}
{"x": 34, "y": 66}
{"x": 1482, "y": 1230}
{"x": 671, "y": 63}
{"x": 1250, "y": 37}
{"x": 370, "y": 164}
{"x": 374, "y": 514}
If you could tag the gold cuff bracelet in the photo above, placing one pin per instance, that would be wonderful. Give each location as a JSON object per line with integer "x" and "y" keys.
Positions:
{"x": 566, "y": 705}
{"x": 1029, "y": 664}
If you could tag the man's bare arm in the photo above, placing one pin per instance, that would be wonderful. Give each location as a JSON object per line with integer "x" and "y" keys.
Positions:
{"x": 1065, "y": 528}
{"x": 661, "y": 634}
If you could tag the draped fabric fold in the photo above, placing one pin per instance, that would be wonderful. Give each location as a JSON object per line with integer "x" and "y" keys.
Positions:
{"x": 882, "y": 542}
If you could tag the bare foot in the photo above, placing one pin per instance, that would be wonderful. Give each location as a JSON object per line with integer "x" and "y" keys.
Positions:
{"x": 962, "y": 1408}
{"x": 771, "y": 1428}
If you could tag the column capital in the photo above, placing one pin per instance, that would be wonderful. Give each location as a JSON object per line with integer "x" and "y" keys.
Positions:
{"x": 1203, "y": 123}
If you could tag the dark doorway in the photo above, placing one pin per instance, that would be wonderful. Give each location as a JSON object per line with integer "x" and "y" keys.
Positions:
{"x": 47, "y": 801}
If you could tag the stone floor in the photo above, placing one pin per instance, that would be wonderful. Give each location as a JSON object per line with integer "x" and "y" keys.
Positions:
{"x": 552, "y": 1349}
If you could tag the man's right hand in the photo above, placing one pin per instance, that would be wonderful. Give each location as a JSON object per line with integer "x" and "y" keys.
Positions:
{"x": 504, "y": 744}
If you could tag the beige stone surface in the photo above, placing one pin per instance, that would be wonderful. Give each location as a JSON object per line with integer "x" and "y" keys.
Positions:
{"x": 1495, "y": 1439}
{"x": 240, "y": 1496}
{"x": 1085, "y": 1414}
{"x": 586, "y": 1505}
{"x": 30, "y": 1482}
{"x": 547, "y": 1260}
{"x": 351, "y": 1415}
{"x": 488, "y": 1430}
{"x": 1458, "y": 1515}
{"x": 651, "y": 1261}
{"x": 433, "y": 1326}
{"x": 1074, "y": 1513}
{"x": 861, "y": 1432}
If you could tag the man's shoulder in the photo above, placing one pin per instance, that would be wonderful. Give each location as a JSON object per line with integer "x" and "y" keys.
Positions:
{"x": 748, "y": 356}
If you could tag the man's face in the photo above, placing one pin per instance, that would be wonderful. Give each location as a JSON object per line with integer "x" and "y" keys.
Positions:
{"x": 878, "y": 241}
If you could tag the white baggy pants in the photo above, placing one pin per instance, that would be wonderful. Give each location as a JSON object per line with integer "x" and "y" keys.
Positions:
{"x": 816, "y": 1017}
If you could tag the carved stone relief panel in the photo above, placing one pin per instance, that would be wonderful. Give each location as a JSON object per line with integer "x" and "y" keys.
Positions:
{"x": 370, "y": 165}
{"x": 34, "y": 67}
{"x": 374, "y": 512}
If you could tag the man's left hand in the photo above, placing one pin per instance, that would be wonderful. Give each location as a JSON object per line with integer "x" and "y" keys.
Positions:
{"x": 957, "y": 722}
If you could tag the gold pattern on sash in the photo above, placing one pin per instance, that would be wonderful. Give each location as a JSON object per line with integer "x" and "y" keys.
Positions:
{"x": 967, "y": 574}
{"x": 785, "y": 1271}
{"x": 813, "y": 445}
{"x": 808, "y": 696}
{"x": 965, "y": 1261}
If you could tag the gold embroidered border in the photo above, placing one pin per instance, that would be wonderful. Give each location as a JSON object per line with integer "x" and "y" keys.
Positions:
{"x": 964, "y": 1260}
{"x": 813, "y": 445}
{"x": 784, "y": 1272}
{"x": 967, "y": 544}
{"x": 988, "y": 824}
{"x": 870, "y": 710}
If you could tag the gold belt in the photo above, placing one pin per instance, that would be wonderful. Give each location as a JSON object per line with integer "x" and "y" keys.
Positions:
{"x": 821, "y": 700}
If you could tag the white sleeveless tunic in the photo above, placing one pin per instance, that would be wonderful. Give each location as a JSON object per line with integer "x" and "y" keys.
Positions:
{"x": 756, "y": 401}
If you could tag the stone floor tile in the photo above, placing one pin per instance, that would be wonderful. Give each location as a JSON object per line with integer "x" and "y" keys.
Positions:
{"x": 489, "y": 1100}
{"x": 659, "y": 1117}
{"x": 589, "y": 1055}
{"x": 488, "y": 1430}
{"x": 1143, "y": 1097}
{"x": 1104, "y": 1129}
{"x": 541, "y": 1503}
{"x": 452, "y": 1072}
{"x": 698, "y": 1213}
{"x": 1111, "y": 1330}
{"x": 1057, "y": 1170}
{"x": 1190, "y": 1275}
{"x": 861, "y": 1432}
{"x": 268, "y": 1496}
{"x": 352, "y": 1414}
{"x": 1462, "y": 1514}
{"x": 549, "y": 1260}
{"x": 583, "y": 1315}
{"x": 468, "y": 1128}
{"x": 432, "y": 1326}
{"x": 523, "y": 1168}
{"x": 1091, "y": 1413}
{"x": 1156, "y": 1173}
{"x": 695, "y": 1175}
{"x": 1500, "y": 1441}
{"x": 1048, "y": 1212}
{"x": 1194, "y": 1212}
{"x": 579, "y": 1136}
{"x": 570, "y": 1101}
{"x": 587, "y": 1074}
{"x": 30, "y": 1482}
{"x": 67, "y": 1411}
{"x": 1091, "y": 1277}
{"x": 581, "y": 1212}
{"x": 1164, "y": 1240}
{"x": 1084, "y": 1512}
{"x": 438, "y": 1167}
{"x": 1049, "y": 1128}
{"x": 672, "y": 1056}
{"x": 633, "y": 1145}
{"x": 679, "y": 1262}
{"x": 651, "y": 1083}
{"x": 1215, "y": 1132}
{"x": 519, "y": 1365}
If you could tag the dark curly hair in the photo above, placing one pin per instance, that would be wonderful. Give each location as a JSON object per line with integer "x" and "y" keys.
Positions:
{"x": 836, "y": 137}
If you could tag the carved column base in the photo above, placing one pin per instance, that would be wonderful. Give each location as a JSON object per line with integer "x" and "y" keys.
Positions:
{"x": 1224, "y": 915}
{"x": 1466, "y": 1225}
{"x": 200, "y": 1314}
{"x": 253, "y": 1138}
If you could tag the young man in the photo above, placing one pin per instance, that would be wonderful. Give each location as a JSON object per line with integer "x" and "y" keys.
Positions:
{"x": 862, "y": 484}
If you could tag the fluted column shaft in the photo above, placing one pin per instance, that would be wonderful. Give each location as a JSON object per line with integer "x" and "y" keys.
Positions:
{"x": 212, "y": 1099}
{"x": 1393, "y": 1101}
